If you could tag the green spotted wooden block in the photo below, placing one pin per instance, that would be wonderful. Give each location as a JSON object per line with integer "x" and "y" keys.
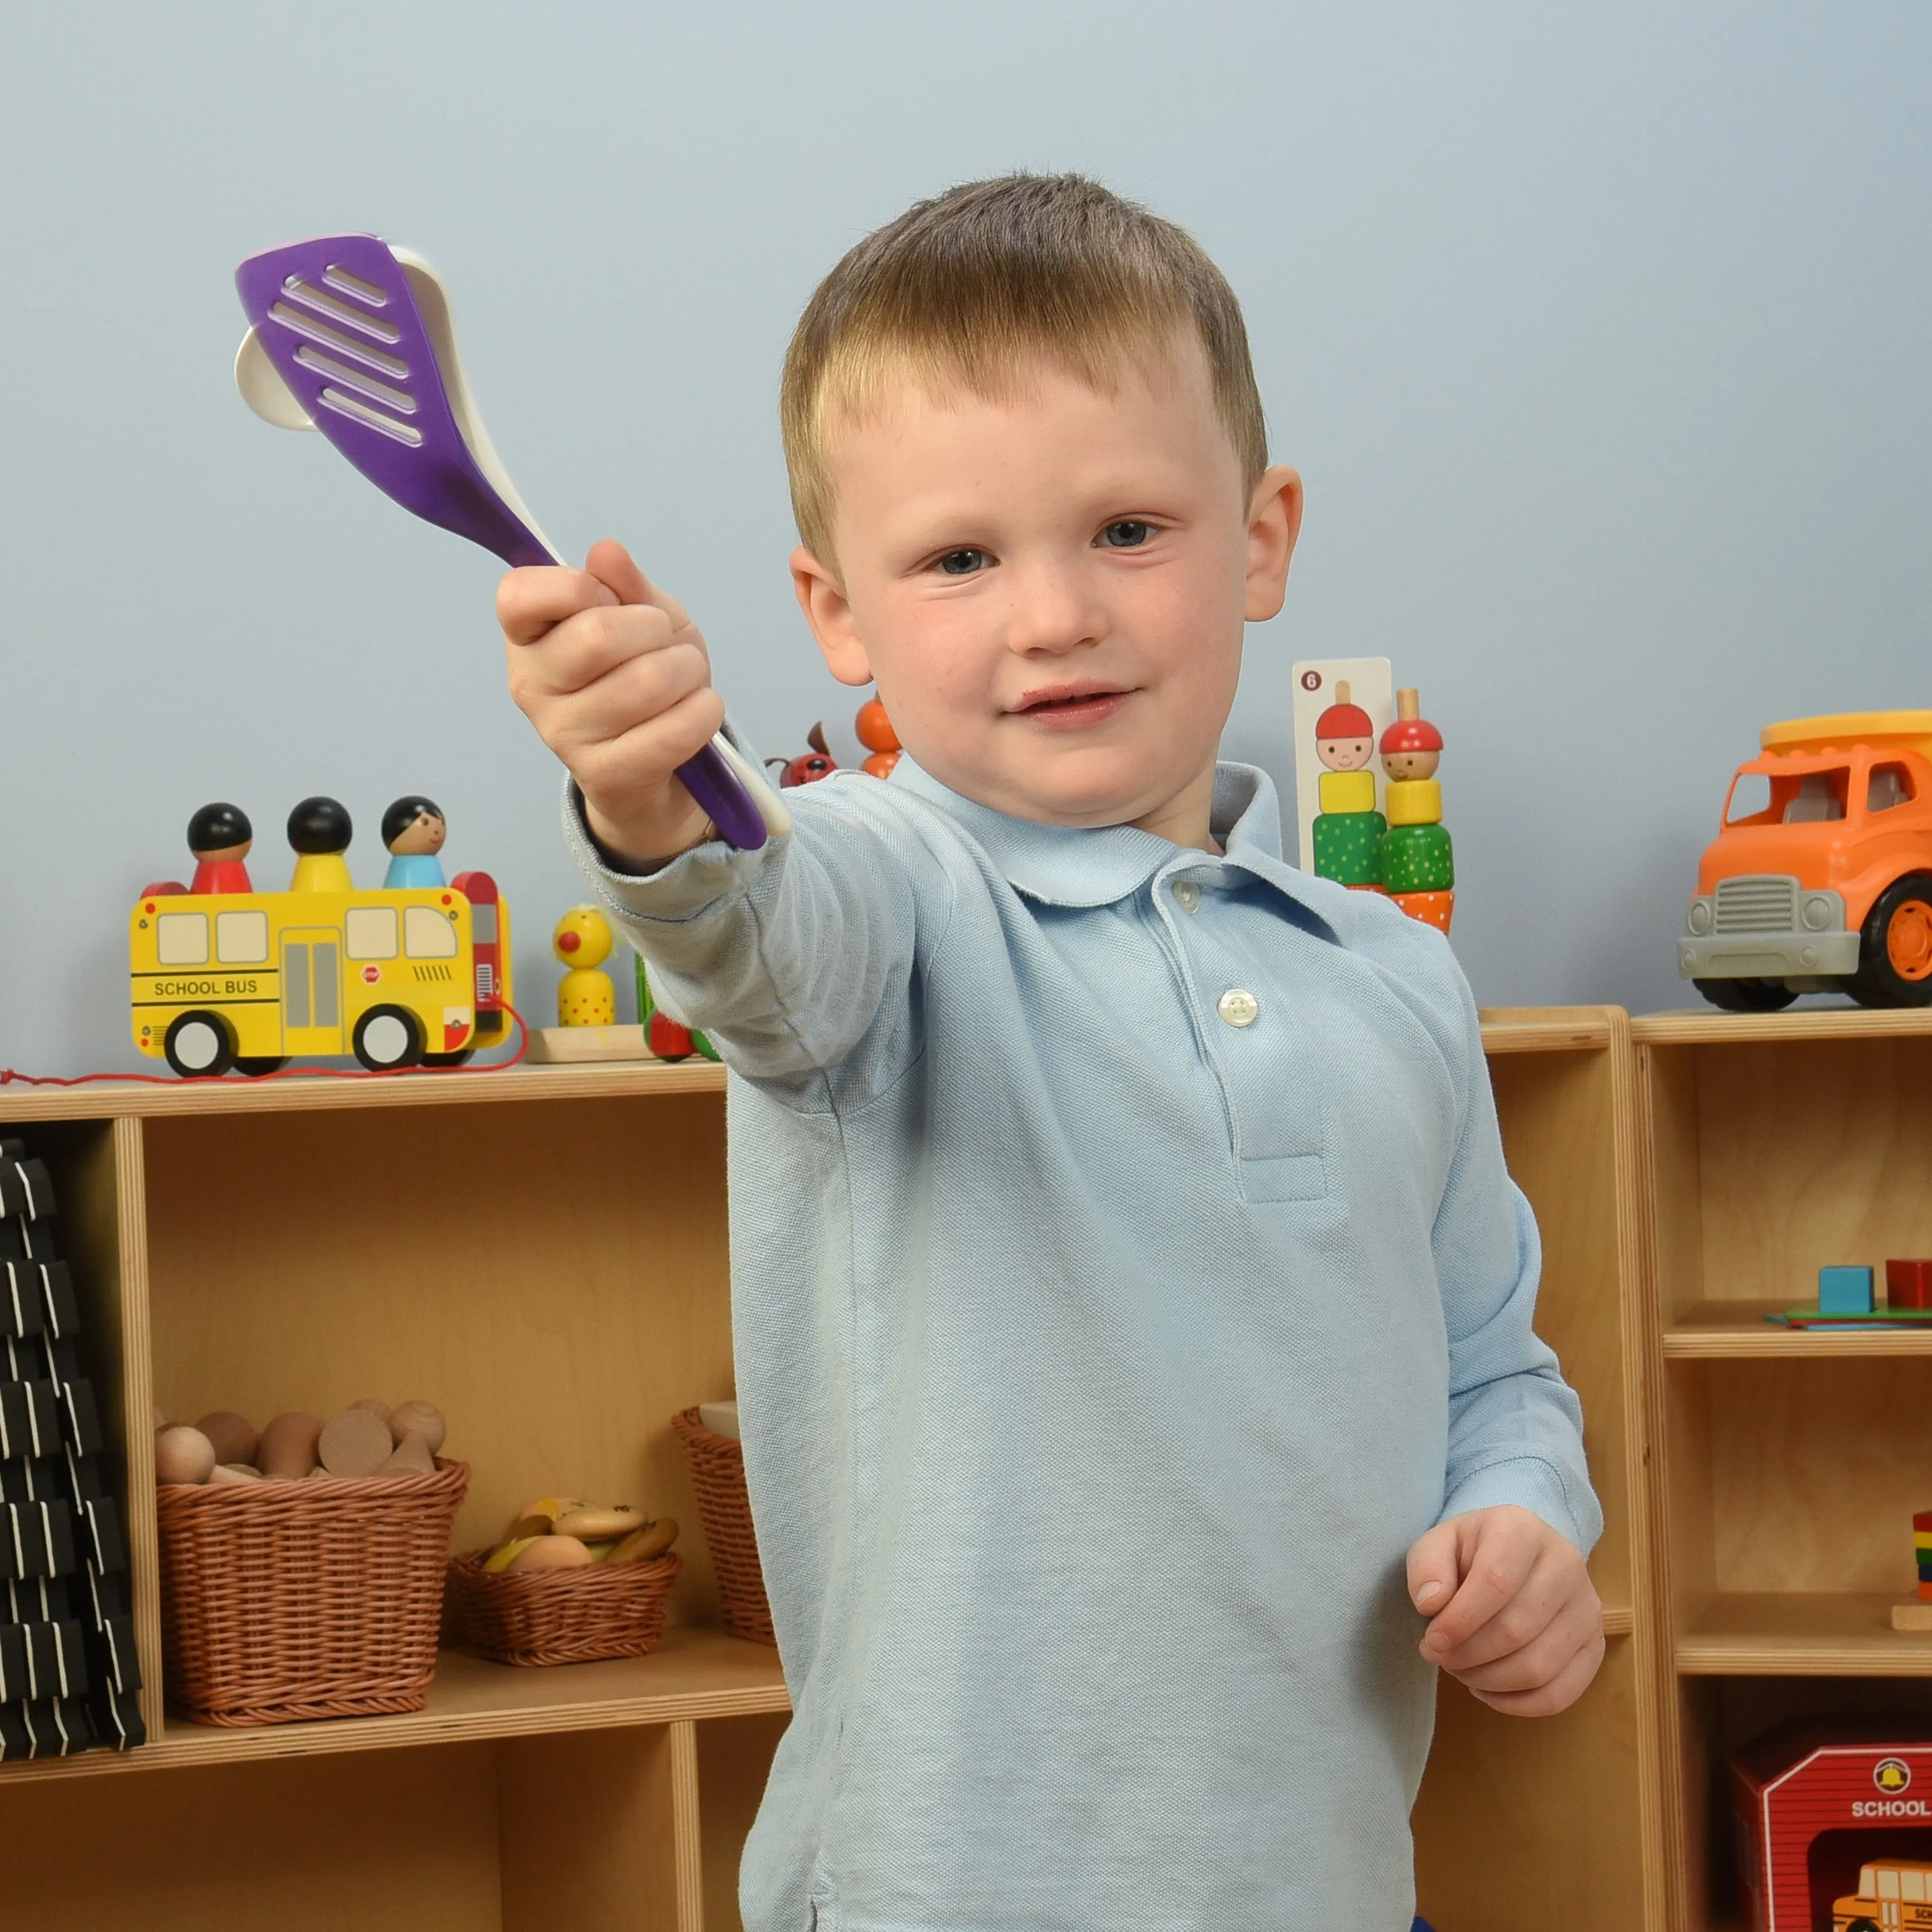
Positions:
{"x": 1348, "y": 845}
{"x": 1417, "y": 858}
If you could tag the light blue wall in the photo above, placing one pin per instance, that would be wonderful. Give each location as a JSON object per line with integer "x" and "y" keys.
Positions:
{"x": 1600, "y": 333}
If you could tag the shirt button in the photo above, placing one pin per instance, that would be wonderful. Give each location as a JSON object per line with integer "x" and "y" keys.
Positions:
{"x": 1238, "y": 1007}
{"x": 1187, "y": 894}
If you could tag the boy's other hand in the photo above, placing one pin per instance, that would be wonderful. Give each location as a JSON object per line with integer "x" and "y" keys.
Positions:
{"x": 1513, "y": 1613}
{"x": 616, "y": 678}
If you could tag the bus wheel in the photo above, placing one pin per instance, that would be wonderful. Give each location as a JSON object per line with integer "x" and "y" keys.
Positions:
{"x": 1895, "y": 950}
{"x": 198, "y": 1044}
{"x": 257, "y": 1064}
{"x": 458, "y": 1058}
{"x": 1746, "y": 996}
{"x": 386, "y": 1037}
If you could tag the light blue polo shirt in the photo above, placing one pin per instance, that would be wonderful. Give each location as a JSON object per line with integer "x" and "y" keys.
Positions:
{"x": 1124, "y": 1273}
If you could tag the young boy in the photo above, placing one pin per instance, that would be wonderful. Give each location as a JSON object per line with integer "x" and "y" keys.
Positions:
{"x": 1132, "y": 1311}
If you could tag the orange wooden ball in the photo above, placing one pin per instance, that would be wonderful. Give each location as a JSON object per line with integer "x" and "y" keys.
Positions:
{"x": 875, "y": 729}
{"x": 880, "y": 763}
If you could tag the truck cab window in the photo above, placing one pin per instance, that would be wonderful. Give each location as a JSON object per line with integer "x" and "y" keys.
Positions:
{"x": 1890, "y": 785}
{"x": 1750, "y": 798}
{"x": 1821, "y": 796}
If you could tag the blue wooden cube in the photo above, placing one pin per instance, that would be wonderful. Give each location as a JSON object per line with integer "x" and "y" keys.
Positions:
{"x": 1845, "y": 1291}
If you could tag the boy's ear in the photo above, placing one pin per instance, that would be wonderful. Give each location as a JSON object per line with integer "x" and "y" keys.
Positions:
{"x": 1274, "y": 522}
{"x": 829, "y": 611}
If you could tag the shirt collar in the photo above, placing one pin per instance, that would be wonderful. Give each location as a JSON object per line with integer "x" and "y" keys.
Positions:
{"x": 1081, "y": 865}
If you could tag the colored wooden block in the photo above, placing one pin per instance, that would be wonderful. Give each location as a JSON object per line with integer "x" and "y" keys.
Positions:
{"x": 1435, "y": 909}
{"x": 1413, "y": 802}
{"x": 1348, "y": 847}
{"x": 1925, "y": 1592}
{"x": 1908, "y": 1284}
{"x": 1922, "y": 1519}
{"x": 1417, "y": 859}
{"x": 1845, "y": 1291}
{"x": 1347, "y": 791}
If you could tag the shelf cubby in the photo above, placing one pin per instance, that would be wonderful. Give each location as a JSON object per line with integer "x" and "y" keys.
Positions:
{"x": 1791, "y": 1462}
{"x": 543, "y": 1252}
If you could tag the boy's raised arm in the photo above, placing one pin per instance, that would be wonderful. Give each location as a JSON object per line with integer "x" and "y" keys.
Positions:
{"x": 784, "y": 956}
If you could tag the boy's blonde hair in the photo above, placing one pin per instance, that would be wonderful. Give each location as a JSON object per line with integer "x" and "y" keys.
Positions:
{"x": 972, "y": 285}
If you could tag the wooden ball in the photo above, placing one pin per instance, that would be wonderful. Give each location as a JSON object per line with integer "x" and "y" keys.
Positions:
{"x": 418, "y": 1418}
{"x": 376, "y": 1406}
{"x": 289, "y": 1445}
{"x": 183, "y": 1455}
{"x": 236, "y": 1438}
{"x": 411, "y": 1457}
{"x": 355, "y": 1443}
{"x": 552, "y": 1552}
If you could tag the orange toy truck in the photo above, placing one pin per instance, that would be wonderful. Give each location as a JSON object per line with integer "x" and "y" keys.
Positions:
{"x": 1820, "y": 879}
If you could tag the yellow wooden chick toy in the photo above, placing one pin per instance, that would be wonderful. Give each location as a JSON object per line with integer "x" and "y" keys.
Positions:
{"x": 585, "y": 997}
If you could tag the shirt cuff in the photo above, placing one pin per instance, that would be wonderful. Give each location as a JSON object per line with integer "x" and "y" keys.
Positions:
{"x": 1528, "y": 1482}
{"x": 678, "y": 891}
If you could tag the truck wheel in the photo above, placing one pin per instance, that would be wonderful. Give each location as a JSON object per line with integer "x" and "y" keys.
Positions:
{"x": 197, "y": 1045}
{"x": 1895, "y": 950}
{"x": 387, "y": 1037}
{"x": 1746, "y": 996}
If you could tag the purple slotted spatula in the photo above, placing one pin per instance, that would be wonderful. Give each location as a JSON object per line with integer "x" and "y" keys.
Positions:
{"x": 351, "y": 338}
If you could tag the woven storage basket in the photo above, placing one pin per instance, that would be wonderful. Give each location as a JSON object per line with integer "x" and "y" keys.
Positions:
{"x": 563, "y": 1616}
{"x": 717, "y": 1475}
{"x": 284, "y": 1600}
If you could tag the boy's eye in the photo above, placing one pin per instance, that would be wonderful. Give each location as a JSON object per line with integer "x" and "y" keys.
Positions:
{"x": 963, "y": 562}
{"x": 1129, "y": 533}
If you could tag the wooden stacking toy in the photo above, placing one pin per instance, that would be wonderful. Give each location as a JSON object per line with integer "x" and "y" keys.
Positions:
{"x": 1417, "y": 865}
{"x": 1348, "y": 831}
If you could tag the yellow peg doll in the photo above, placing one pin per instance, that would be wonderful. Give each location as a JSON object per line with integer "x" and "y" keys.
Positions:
{"x": 585, "y": 997}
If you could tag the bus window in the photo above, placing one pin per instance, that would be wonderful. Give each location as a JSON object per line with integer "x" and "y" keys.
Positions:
{"x": 182, "y": 939}
{"x": 242, "y": 938}
{"x": 370, "y": 932}
{"x": 427, "y": 935}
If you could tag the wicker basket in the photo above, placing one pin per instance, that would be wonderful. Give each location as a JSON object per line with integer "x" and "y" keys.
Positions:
{"x": 717, "y": 1475}
{"x": 562, "y": 1616}
{"x": 282, "y": 1601}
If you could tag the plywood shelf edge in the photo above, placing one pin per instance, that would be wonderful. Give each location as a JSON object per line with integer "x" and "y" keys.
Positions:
{"x": 695, "y": 1673}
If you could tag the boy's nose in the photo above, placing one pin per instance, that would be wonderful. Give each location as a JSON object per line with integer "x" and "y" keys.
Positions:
{"x": 1052, "y": 611}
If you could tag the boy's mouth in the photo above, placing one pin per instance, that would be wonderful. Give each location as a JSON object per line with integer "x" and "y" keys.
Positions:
{"x": 1067, "y": 706}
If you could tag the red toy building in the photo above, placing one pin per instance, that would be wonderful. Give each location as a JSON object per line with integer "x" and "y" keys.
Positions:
{"x": 1815, "y": 1802}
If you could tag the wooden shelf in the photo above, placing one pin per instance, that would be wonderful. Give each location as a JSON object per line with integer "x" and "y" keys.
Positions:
{"x": 321, "y": 1093}
{"x": 1770, "y": 1633}
{"x": 1545, "y": 1029}
{"x": 1737, "y": 1330}
{"x": 1705, "y": 1027}
{"x": 1506, "y": 1030}
{"x": 520, "y": 1266}
{"x": 695, "y": 1672}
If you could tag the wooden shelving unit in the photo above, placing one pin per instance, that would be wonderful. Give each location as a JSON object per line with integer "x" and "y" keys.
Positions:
{"x": 1790, "y": 1462}
{"x": 543, "y": 1252}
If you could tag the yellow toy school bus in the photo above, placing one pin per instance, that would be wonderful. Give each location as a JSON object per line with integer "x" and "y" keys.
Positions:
{"x": 1893, "y": 1895}
{"x": 248, "y": 979}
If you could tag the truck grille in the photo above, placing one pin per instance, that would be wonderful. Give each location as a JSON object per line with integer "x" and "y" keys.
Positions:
{"x": 1763, "y": 902}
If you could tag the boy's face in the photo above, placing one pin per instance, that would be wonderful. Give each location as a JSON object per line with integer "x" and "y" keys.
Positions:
{"x": 1050, "y": 588}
